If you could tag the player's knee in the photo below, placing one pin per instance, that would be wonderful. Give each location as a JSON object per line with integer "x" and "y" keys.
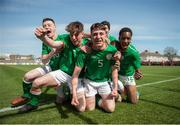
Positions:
{"x": 90, "y": 108}
{"x": 81, "y": 108}
{"x": 109, "y": 108}
{"x": 37, "y": 83}
{"x": 82, "y": 102}
{"x": 134, "y": 100}
{"x": 27, "y": 77}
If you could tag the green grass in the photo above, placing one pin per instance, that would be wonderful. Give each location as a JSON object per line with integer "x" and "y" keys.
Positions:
{"x": 159, "y": 103}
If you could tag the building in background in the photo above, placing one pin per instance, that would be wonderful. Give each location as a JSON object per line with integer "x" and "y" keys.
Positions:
{"x": 15, "y": 59}
{"x": 155, "y": 58}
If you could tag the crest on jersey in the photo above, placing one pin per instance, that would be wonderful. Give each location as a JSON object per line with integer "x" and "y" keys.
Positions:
{"x": 108, "y": 56}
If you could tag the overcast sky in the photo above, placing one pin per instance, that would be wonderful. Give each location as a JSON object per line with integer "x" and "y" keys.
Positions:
{"x": 155, "y": 23}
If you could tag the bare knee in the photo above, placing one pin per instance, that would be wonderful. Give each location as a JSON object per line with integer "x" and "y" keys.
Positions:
{"x": 82, "y": 102}
{"x": 81, "y": 109}
{"x": 90, "y": 108}
{"x": 110, "y": 109}
{"x": 134, "y": 100}
{"x": 109, "y": 106}
{"x": 28, "y": 77}
{"x": 90, "y": 103}
{"x": 31, "y": 75}
{"x": 37, "y": 83}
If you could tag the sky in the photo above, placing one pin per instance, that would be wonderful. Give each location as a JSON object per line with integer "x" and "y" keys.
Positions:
{"x": 155, "y": 23}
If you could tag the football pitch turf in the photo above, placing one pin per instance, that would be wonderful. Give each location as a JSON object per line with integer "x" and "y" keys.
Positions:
{"x": 159, "y": 101}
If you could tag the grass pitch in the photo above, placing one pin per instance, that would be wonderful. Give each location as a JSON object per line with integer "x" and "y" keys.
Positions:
{"x": 159, "y": 101}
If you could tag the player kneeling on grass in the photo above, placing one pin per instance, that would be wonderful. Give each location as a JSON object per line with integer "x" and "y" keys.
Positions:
{"x": 130, "y": 64}
{"x": 98, "y": 65}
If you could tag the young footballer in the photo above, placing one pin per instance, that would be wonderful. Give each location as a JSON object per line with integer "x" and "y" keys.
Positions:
{"x": 130, "y": 64}
{"x": 71, "y": 44}
{"x": 50, "y": 59}
{"x": 107, "y": 25}
{"x": 98, "y": 65}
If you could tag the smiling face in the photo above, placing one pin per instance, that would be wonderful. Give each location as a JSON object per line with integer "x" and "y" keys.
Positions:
{"x": 125, "y": 40}
{"x": 50, "y": 28}
{"x": 98, "y": 37}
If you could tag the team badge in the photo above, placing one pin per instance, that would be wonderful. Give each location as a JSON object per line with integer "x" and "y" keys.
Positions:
{"x": 108, "y": 56}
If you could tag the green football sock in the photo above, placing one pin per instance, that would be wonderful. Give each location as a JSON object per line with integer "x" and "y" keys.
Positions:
{"x": 34, "y": 100}
{"x": 66, "y": 91}
{"x": 26, "y": 90}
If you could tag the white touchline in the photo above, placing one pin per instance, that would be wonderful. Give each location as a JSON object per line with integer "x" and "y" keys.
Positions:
{"x": 157, "y": 75}
{"x": 152, "y": 83}
{"x": 10, "y": 108}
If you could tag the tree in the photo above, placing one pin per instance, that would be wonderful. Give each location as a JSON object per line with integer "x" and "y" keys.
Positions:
{"x": 170, "y": 52}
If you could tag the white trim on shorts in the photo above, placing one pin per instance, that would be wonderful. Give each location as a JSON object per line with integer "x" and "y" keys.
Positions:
{"x": 127, "y": 80}
{"x": 62, "y": 77}
{"x": 92, "y": 88}
{"x": 44, "y": 69}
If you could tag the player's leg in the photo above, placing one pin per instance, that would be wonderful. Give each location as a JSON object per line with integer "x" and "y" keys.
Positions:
{"x": 107, "y": 102}
{"x": 82, "y": 101}
{"x": 46, "y": 80}
{"x": 90, "y": 103}
{"x": 131, "y": 89}
{"x": 27, "y": 83}
{"x": 90, "y": 93}
{"x": 81, "y": 96}
{"x": 60, "y": 98}
{"x": 132, "y": 93}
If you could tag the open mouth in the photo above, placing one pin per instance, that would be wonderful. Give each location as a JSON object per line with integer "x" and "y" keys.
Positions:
{"x": 48, "y": 32}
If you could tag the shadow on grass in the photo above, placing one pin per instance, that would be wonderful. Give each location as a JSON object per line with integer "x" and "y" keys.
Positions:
{"x": 66, "y": 108}
{"x": 63, "y": 109}
{"x": 170, "y": 106}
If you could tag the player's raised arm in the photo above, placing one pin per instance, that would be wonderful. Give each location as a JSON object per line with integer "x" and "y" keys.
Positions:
{"x": 41, "y": 33}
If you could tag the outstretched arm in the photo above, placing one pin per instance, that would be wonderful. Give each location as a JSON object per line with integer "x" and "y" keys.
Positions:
{"x": 41, "y": 34}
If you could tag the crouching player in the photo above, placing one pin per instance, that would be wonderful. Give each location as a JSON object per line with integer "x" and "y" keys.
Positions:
{"x": 50, "y": 60}
{"x": 98, "y": 65}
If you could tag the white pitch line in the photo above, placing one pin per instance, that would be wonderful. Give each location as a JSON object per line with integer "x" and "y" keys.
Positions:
{"x": 152, "y": 83}
{"x": 157, "y": 75}
{"x": 10, "y": 108}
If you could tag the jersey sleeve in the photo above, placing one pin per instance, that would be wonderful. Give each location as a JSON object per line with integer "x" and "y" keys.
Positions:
{"x": 44, "y": 49}
{"x": 112, "y": 38}
{"x": 81, "y": 59}
{"x": 137, "y": 60}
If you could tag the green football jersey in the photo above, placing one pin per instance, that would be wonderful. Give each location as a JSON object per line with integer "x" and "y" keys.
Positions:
{"x": 98, "y": 63}
{"x": 130, "y": 61}
{"x": 69, "y": 55}
{"x": 54, "y": 61}
{"x": 112, "y": 39}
